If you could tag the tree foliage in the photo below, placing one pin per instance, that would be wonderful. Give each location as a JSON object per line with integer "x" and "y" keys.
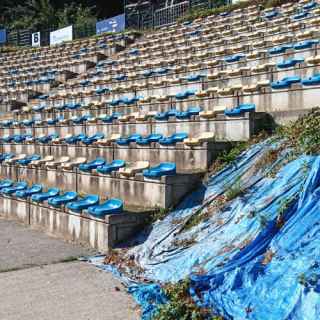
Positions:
{"x": 42, "y": 14}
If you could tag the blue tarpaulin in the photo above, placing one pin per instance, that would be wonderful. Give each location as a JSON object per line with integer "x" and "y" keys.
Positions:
{"x": 255, "y": 257}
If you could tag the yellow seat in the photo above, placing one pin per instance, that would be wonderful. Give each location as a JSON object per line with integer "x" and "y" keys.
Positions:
{"x": 132, "y": 169}
{"x": 209, "y": 114}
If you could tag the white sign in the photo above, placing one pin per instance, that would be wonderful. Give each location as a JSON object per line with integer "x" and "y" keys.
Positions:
{"x": 61, "y": 35}
{"x": 36, "y": 39}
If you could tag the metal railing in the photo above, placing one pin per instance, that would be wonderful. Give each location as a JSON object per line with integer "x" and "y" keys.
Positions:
{"x": 170, "y": 14}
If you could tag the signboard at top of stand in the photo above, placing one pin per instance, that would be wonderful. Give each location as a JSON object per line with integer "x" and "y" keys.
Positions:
{"x": 115, "y": 24}
{"x": 36, "y": 39}
{"x": 61, "y": 35}
{"x": 3, "y": 36}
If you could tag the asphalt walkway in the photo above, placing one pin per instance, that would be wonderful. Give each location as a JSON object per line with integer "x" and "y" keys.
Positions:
{"x": 40, "y": 279}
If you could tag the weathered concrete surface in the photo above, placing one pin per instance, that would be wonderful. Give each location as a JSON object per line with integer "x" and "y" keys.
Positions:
{"x": 34, "y": 285}
{"x": 68, "y": 291}
{"x": 22, "y": 247}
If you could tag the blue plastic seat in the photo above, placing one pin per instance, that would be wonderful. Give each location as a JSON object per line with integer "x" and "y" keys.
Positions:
{"x": 194, "y": 77}
{"x": 311, "y": 81}
{"x": 172, "y": 112}
{"x": 289, "y": 63}
{"x": 163, "y": 169}
{"x": 149, "y": 139}
{"x": 240, "y": 109}
{"x": 109, "y": 119}
{"x": 127, "y": 101}
{"x": 310, "y": 5}
{"x": 194, "y": 111}
{"x": 38, "y": 108}
{"x": 280, "y": 49}
{"x": 176, "y": 137}
{"x": 72, "y": 106}
{"x": 6, "y": 183}
{"x": 58, "y": 201}
{"x": 124, "y": 141}
{"x": 234, "y": 58}
{"x": 61, "y": 107}
{"x": 102, "y": 90}
{"x": 93, "y": 138}
{"x": 94, "y": 164}
{"x": 182, "y": 115}
{"x": 111, "y": 206}
{"x": 247, "y": 107}
{"x": 162, "y": 116}
{"x": 28, "y": 159}
{"x": 115, "y": 102}
{"x": 232, "y": 112}
{"x": 120, "y": 77}
{"x": 161, "y": 71}
{"x": 7, "y": 123}
{"x": 134, "y": 51}
{"x": 115, "y": 165}
{"x": 28, "y": 123}
{"x": 184, "y": 95}
{"x": 7, "y": 138}
{"x": 305, "y": 44}
{"x": 6, "y": 156}
{"x": 300, "y": 16}
{"x": 84, "y": 82}
{"x": 83, "y": 203}
{"x": 52, "y": 122}
{"x": 285, "y": 83}
{"x": 36, "y": 188}
{"x": 276, "y": 85}
{"x": 17, "y": 138}
{"x": 271, "y": 15}
{"x": 16, "y": 187}
{"x": 76, "y": 138}
{"x": 147, "y": 73}
{"x": 43, "y": 196}
{"x": 79, "y": 119}
{"x": 48, "y": 138}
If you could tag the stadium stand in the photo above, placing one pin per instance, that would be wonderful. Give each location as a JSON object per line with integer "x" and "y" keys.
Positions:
{"x": 141, "y": 119}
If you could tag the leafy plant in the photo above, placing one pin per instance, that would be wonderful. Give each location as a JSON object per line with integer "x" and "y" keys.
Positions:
{"x": 180, "y": 305}
{"x": 158, "y": 214}
{"x": 234, "y": 191}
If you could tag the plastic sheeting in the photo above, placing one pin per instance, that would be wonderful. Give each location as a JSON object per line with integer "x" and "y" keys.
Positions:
{"x": 257, "y": 257}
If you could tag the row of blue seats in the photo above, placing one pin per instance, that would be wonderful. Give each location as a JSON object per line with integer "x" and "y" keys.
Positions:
{"x": 89, "y": 140}
{"x": 14, "y": 83}
{"x": 101, "y": 166}
{"x": 160, "y": 116}
{"x": 70, "y": 199}
{"x": 301, "y": 45}
{"x": 286, "y": 82}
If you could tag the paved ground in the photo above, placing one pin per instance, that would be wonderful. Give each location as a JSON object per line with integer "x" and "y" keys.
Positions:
{"x": 36, "y": 284}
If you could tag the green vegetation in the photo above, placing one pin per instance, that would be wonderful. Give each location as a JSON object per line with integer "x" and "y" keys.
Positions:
{"x": 180, "y": 305}
{"x": 304, "y": 134}
{"x": 41, "y": 14}
{"x": 234, "y": 191}
{"x": 158, "y": 214}
{"x": 219, "y": 8}
{"x": 184, "y": 242}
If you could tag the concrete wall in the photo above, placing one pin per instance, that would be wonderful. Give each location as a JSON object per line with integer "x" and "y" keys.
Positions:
{"x": 187, "y": 159}
{"x": 137, "y": 191}
{"x": 225, "y": 129}
{"x": 101, "y": 234}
